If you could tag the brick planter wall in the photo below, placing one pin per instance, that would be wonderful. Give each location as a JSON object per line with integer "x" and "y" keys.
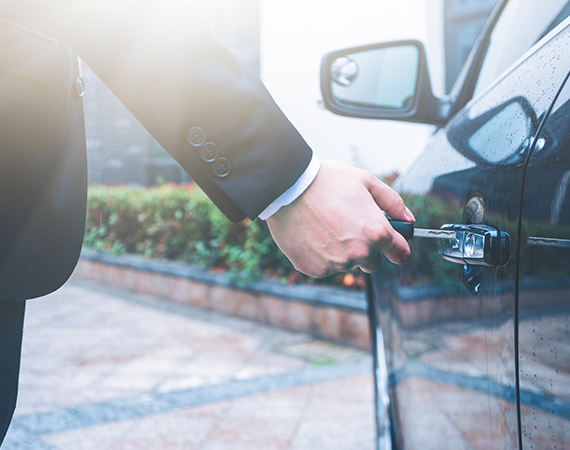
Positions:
{"x": 329, "y": 313}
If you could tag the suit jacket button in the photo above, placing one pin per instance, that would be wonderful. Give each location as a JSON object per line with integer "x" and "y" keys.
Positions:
{"x": 221, "y": 167}
{"x": 196, "y": 136}
{"x": 209, "y": 151}
{"x": 79, "y": 90}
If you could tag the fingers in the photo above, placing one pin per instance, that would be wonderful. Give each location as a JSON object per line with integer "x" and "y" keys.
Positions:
{"x": 378, "y": 238}
{"x": 385, "y": 241}
{"x": 392, "y": 244}
{"x": 339, "y": 222}
{"x": 373, "y": 263}
{"x": 388, "y": 199}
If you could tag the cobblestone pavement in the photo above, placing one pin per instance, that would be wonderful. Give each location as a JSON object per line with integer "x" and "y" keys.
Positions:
{"x": 105, "y": 369}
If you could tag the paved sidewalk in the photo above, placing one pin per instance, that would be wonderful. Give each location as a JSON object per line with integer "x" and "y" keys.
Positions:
{"x": 104, "y": 369}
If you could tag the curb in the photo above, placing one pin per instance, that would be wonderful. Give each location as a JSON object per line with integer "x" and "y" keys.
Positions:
{"x": 330, "y": 313}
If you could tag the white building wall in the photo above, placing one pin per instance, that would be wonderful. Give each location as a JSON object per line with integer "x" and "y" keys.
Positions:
{"x": 295, "y": 34}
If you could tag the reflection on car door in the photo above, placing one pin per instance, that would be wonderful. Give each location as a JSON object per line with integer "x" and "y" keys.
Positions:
{"x": 448, "y": 329}
{"x": 544, "y": 286}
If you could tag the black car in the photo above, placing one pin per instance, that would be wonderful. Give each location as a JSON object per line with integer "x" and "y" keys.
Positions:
{"x": 471, "y": 336}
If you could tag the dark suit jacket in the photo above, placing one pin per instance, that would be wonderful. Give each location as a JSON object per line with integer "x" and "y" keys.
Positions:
{"x": 206, "y": 108}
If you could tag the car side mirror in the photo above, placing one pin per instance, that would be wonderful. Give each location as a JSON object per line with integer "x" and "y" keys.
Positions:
{"x": 381, "y": 81}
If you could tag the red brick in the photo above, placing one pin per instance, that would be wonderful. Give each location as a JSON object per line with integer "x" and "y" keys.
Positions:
{"x": 142, "y": 282}
{"x": 94, "y": 271}
{"x": 299, "y": 316}
{"x": 82, "y": 269}
{"x": 129, "y": 279}
{"x": 354, "y": 328}
{"x": 160, "y": 285}
{"x": 274, "y": 311}
{"x": 178, "y": 290}
{"x": 248, "y": 306}
{"x": 198, "y": 293}
{"x": 222, "y": 299}
{"x": 114, "y": 274}
{"x": 327, "y": 323}
{"x": 105, "y": 273}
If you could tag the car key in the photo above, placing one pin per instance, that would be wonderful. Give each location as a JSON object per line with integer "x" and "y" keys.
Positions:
{"x": 408, "y": 230}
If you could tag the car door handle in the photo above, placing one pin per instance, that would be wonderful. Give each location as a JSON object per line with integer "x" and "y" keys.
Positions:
{"x": 476, "y": 245}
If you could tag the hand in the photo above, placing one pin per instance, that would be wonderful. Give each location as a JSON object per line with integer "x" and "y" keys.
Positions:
{"x": 339, "y": 222}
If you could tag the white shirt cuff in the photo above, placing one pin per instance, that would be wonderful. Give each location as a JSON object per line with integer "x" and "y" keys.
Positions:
{"x": 291, "y": 194}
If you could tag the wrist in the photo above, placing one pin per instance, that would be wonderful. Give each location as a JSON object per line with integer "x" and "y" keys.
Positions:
{"x": 291, "y": 194}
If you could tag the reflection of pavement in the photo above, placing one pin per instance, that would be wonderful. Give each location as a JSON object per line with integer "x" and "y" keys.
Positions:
{"x": 456, "y": 385}
{"x": 545, "y": 356}
{"x": 447, "y": 417}
{"x": 104, "y": 369}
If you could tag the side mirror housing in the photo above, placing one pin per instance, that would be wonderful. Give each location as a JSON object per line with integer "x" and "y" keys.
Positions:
{"x": 382, "y": 81}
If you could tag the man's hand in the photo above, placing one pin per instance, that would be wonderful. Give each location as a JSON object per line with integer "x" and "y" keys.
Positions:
{"x": 339, "y": 222}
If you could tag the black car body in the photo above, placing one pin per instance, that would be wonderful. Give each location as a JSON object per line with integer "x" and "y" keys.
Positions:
{"x": 472, "y": 356}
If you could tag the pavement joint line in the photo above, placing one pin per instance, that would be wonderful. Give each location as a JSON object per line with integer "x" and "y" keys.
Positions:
{"x": 216, "y": 425}
{"x": 20, "y": 438}
{"x": 303, "y": 414}
{"x": 149, "y": 404}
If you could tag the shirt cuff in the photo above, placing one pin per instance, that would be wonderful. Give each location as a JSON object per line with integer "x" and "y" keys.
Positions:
{"x": 291, "y": 194}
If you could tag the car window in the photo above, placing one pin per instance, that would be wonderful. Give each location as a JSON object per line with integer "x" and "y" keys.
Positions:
{"x": 522, "y": 24}
{"x": 502, "y": 137}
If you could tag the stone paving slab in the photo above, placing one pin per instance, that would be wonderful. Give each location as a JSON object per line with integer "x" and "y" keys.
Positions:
{"x": 105, "y": 369}
{"x": 306, "y": 417}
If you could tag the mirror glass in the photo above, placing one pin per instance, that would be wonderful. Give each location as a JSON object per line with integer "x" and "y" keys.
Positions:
{"x": 384, "y": 78}
{"x": 504, "y": 137}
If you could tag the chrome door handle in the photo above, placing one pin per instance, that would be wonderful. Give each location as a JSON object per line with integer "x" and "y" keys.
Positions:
{"x": 476, "y": 245}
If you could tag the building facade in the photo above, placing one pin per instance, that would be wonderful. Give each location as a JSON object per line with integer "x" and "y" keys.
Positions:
{"x": 463, "y": 22}
{"x": 283, "y": 42}
{"x": 119, "y": 149}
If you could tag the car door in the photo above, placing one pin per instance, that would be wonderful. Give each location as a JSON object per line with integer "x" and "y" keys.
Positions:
{"x": 544, "y": 286}
{"x": 449, "y": 330}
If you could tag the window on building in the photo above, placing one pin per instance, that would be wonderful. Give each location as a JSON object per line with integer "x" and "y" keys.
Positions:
{"x": 119, "y": 149}
{"x": 463, "y": 22}
{"x": 159, "y": 167}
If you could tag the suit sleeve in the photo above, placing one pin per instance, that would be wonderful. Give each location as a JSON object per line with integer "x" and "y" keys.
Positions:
{"x": 203, "y": 105}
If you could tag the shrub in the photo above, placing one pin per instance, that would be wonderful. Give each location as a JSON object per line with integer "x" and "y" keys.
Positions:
{"x": 178, "y": 222}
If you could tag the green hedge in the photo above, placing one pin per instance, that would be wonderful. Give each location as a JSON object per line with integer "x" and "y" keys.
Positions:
{"x": 178, "y": 222}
